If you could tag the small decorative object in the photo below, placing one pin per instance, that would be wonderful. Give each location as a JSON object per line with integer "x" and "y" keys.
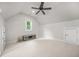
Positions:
{"x": 28, "y": 25}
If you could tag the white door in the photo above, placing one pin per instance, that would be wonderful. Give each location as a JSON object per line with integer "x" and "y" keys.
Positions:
{"x": 2, "y": 41}
{"x": 71, "y": 36}
{"x": 77, "y": 35}
{"x": 1, "y": 35}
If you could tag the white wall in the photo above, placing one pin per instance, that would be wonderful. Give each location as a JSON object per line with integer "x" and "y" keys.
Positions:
{"x": 15, "y": 27}
{"x": 56, "y": 31}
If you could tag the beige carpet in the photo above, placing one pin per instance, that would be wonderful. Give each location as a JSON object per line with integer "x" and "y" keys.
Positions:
{"x": 42, "y": 48}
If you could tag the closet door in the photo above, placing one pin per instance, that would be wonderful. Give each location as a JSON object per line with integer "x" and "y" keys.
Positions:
{"x": 71, "y": 36}
{"x": 2, "y": 36}
{"x": 77, "y": 35}
{"x": 1, "y": 41}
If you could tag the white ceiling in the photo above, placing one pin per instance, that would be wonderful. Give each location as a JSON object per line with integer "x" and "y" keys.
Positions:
{"x": 61, "y": 11}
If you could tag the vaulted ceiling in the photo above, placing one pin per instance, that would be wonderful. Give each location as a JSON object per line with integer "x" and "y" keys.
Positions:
{"x": 61, "y": 11}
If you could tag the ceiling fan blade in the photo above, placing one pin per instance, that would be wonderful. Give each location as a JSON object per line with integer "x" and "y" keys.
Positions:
{"x": 37, "y": 12}
{"x": 47, "y": 8}
{"x": 34, "y": 8}
{"x": 43, "y": 12}
{"x": 41, "y": 5}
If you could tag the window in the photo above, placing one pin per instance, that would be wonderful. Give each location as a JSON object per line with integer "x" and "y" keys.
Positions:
{"x": 28, "y": 25}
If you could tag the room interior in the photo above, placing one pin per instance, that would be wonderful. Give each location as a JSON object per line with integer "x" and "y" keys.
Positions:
{"x": 39, "y": 29}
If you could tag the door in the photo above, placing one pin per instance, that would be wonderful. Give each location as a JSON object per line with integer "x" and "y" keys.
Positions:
{"x": 71, "y": 35}
{"x": 2, "y": 40}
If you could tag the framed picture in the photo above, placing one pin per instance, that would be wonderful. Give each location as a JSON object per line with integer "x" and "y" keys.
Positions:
{"x": 28, "y": 25}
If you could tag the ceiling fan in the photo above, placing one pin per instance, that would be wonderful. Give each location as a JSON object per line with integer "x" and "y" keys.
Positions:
{"x": 41, "y": 8}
